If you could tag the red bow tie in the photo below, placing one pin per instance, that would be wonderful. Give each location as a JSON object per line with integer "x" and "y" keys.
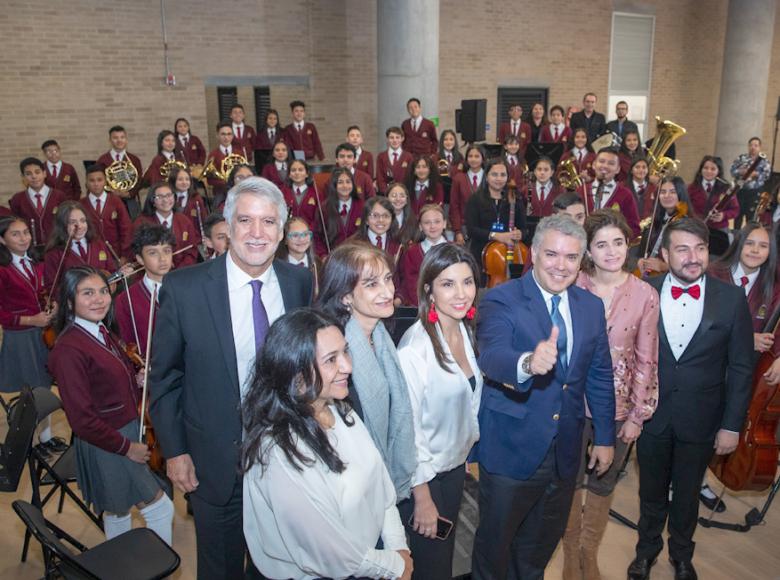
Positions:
{"x": 693, "y": 291}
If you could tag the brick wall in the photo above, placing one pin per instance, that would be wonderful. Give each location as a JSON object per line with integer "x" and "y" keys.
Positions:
{"x": 88, "y": 68}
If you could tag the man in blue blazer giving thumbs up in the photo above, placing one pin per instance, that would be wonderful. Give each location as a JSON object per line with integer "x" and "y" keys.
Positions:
{"x": 544, "y": 352}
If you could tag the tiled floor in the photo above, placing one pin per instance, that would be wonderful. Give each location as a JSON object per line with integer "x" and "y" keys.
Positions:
{"x": 719, "y": 554}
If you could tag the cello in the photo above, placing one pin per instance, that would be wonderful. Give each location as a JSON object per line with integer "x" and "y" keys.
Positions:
{"x": 497, "y": 256}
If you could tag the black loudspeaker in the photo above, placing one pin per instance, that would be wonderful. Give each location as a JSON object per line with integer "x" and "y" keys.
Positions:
{"x": 777, "y": 115}
{"x": 472, "y": 120}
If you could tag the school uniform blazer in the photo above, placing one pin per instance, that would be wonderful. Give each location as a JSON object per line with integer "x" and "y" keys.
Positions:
{"x": 585, "y": 165}
{"x": 97, "y": 386}
{"x": 23, "y": 207}
{"x": 621, "y": 200}
{"x": 524, "y": 135}
{"x": 67, "y": 181}
{"x": 98, "y": 256}
{"x": 453, "y": 167}
{"x": 364, "y": 184}
{"x": 271, "y": 173}
{"x": 183, "y": 231}
{"x": 196, "y": 211}
{"x": 702, "y": 203}
{"x": 547, "y": 136}
{"x": 428, "y": 195}
{"x": 106, "y": 160}
{"x": 515, "y": 172}
{"x": 409, "y": 273}
{"x": 218, "y": 157}
{"x": 247, "y": 141}
{"x": 307, "y": 209}
{"x": 4, "y": 211}
{"x": 19, "y": 295}
{"x": 345, "y": 229}
{"x": 113, "y": 223}
{"x": 152, "y": 174}
{"x": 518, "y": 421}
{"x": 263, "y": 142}
{"x": 195, "y": 397}
{"x": 365, "y": 163}
{"x": 194, "y": 153}
{"x": 460, "y": 192}
{"x": 140, "y": 299}
{"x": 625, "y": 167}
{"x": 387, "y": 172}
{"x": 709, "y": 387}
{"x": 423, "y": 141}
{"x": 307, "y": 140}
{"x": 645, "y": 205}
{"x": 541, "y": 208}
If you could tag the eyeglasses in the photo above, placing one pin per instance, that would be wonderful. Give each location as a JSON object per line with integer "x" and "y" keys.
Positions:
{"x": 299, "y": 236}
{"x": 163, "y": 196}
{"x": 380, "y": 216}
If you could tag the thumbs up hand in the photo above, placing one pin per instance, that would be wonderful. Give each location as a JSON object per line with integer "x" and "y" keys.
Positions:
{"x": 545, "y": 354}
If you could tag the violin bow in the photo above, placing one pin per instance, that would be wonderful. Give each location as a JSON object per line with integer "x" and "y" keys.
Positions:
{"x": 145, "y": 390}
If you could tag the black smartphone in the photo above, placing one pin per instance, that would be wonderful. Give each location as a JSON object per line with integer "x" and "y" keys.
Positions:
{"x": 443, "y": 527}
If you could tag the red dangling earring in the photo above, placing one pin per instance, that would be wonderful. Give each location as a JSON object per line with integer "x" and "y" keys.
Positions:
{"x": 471, "y": 313}
{"x": 433, "y": 316}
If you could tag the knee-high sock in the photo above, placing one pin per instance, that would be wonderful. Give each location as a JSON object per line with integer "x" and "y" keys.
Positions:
{"x": 116, "y": 525}
{"x": 159, "y": 518}
{"x": 44, "y": 433}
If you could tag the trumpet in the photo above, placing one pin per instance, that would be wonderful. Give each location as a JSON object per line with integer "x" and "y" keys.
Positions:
{"x": 167, "y": 167}
{"x": 121, "y": 175}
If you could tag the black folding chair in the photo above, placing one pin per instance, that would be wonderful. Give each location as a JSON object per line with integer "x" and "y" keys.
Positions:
{"x": 58, "y": 473}
{"x": 139, "y": 554}
{"x": 16, "y": 448}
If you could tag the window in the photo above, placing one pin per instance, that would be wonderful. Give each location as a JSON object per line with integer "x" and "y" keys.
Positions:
{"x": 226, "y": 98}
{"x": 262, "y": 104}
{"x": 525, "y": 97}
{"x": 631, "y": 66}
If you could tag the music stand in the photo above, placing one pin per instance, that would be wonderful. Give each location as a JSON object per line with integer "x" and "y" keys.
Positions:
{"x": 536, "y": 150}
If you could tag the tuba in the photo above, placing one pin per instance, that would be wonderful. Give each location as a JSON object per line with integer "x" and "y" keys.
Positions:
{"x": 167, "y": 167}
{"x": 568, "y": 176}
{"x": 666, "y": 133}
{"x": 122, "y": 175}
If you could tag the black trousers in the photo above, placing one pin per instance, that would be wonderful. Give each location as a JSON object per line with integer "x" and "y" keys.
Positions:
{"x": 748, "y": 199}
{"x": 664, "y": 460}
{"x": 432, "y": 557}
{"x": 219, "y": 531}
{"x": 520, "y": 522}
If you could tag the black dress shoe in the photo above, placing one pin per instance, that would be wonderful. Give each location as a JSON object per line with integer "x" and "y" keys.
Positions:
{"x": 712, "y": 503}
{"x": 43, "y": 451}
{"x": 640, "y": 568}
{"x": 56, "y": 445}
{"x": 683, "y": 570}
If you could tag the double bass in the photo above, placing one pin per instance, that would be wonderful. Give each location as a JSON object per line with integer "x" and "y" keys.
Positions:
{"x": 497, "y": 256}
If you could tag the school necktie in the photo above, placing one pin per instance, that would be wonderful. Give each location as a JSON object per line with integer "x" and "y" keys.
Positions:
{"x": 379, "y": 242}
{"x": 514, "y": 128}
{"x": 300, "y": 127}
{"x": 709, "y": 188}
{"x": 693, "y": 291}
{"x": 31, "y": 275}
{"x": 555, "y": 137}
{"x": 105, "y": 336}
{"x": 474, "y": 181}
{"x": 512, "y": 161}
{"x": 97, "y": 206}
{"x": 395, "y": 157}
{"x": 579, "y": 157}
{"x": 82, "y": 250}
{"x": 449, "y": 158}
{"x": 557, "y": 320}
{"x": 54, "y": 172}
{"x": 271, "y": 134}
{"x": 302, "y": 263}
{"x": 238, "y": 133}
{"x": 343, "y": 212}
{"x": 39, "y": 203}
{"x": 180, "y": 199}
{"x": 259, "y": 315}
{"x": 186, "y": 142}
{"x": 641, "y": 191}
{"x": 744, "y": 280}
{"x": 298, "y": 192}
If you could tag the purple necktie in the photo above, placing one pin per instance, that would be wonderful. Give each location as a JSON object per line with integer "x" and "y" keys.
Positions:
{"x": 259, "y": 315}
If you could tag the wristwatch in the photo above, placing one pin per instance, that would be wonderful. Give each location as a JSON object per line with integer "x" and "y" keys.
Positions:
{"x": 491, "y": 235}
{"x": 525, "y": 366}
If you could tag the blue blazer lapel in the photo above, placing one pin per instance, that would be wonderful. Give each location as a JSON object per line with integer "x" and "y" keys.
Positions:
{"x": 533, "y": 306}
{"x": 577, "y": 322}
{"x": 216, "y": 291}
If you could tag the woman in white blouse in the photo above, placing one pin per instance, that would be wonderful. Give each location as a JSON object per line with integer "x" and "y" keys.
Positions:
{"x": 317, "y": 496}
{"x": 438, "y": 360}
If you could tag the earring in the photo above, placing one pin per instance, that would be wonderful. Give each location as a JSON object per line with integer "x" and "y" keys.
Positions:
{"x": 348, "y": 306}
{"x": 433, "y": 316}
{"x": 471, "y": 313}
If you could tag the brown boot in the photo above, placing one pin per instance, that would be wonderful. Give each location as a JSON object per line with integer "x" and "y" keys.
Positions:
{"x": 572, "y": 564}
{"x": 594, "y": 522}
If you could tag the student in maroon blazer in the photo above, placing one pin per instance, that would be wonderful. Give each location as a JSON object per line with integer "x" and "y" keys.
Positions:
{"x": 153, "y": 248}
{"x": 302, "y": 135}
{"x": 225, "y": 137}
{"x": 706, "y": 189}
{"x": 118, "y": 152}
{"x": 394, "y": 163}
{"x": 270, "y": 133}
{"x": 542, "y": 190}
{"x": 188, "y": 146}
{"x": 379, "y": 228}
{"x": 107, "y": 212}
{"x": 301, "y": 195}
{"x": 645, "y": 192}
{"x": 423, "y": 183}
{"x": 60, "y": 175}
{"x": 581, "y": 154}
{"x": 159, "y": 210}
{"x": 85, "y": 247}
{"x": 343, "y": 213}
{"x": 100, "y": 396}
{"x": 38, "y": 203}
{"x": 516, "y": 127}
{"x": 166, "y": 152}
{"x": 515, "y": 162}
{"x": 630, "y": 149}
{"x": 449, "y": 149}
{"x": 463, "y": 186}
{"x": 244, "y": 135}
{"x": 346, "y": 157}
{"x": 365, "y": 160}
{"x": 275, "y": 170}
{"x": 4, "y": 211}
{"x": 607, "y": 166}
{"x": 419, "y": 133}
{"x": 22, "y": 352}
{"x": 556, "y": 131}
{"x": 432, "y": 224}
{"x": 189, "y": 202}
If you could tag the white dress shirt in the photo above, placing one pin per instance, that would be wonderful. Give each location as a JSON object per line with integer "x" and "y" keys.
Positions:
{"x": 427, "y": 244}
{"x": 296, "y": 262}
{"x": 399, "y": 218}
{"x": 470, "y": 175}
{"x": 560, "y": 128}
{"x": 563, "y": 308}
{"x": 77, "y": 245}
{"x": 52, "y": 166}
{"x": 242, "y": 321}
{"x": 151, "y": 285}
{"x": 44, "y": 195}
{"x": 17, "y": 263}
{"x": 543, "y": 190}
{"x": 737, "y": 275}
{"x": 165, "y": 221}
{"x": 117, "y": 155}
{"x": 181, "y": 198}
{"x": 391, "y": 152}
{"x": 606, "y": 192}
{"x": 372, "y": 237}
{"x": 93, "y": 199}
{"x": 444, "y": 407}
{"x": 92, "y": 328}
{"x": 318, "y": 523}
{"x": 681, "y": 317}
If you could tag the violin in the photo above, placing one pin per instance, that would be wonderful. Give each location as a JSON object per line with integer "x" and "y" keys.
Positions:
{"x": 680, "y": 211}
{"x": 497, "y": 256}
